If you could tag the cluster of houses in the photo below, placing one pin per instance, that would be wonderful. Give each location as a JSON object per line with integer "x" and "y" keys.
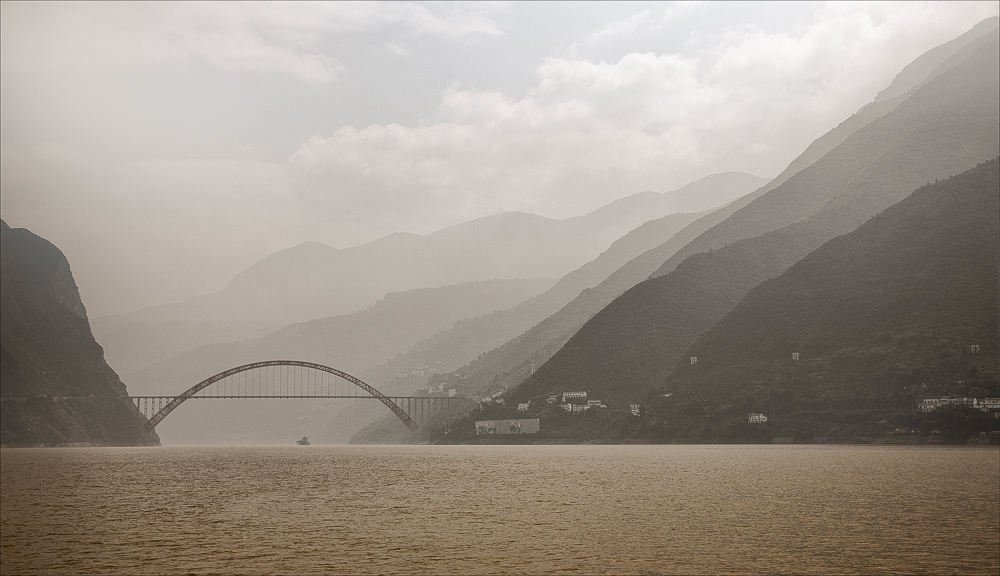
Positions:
{"x": 926, "y": 405}
{"x": 984, "y": 404}
{"x": 574, "y": 402}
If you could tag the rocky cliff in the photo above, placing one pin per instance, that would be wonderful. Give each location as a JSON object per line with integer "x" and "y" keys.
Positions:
{"x": 55, "y": 386}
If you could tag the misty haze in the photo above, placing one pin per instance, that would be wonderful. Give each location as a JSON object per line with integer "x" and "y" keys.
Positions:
{"x": 491, "y": 288}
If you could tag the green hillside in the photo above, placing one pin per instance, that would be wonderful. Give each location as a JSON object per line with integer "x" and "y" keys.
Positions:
{"x": 48, "y": 352}
{"x": 945, "y": 127}
{"x": 880, "y": 318}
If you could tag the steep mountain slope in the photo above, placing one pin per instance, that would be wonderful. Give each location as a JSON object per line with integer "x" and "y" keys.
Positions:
{"x": 314, "y": 280}
{"x": 706, "y": 233}
{"x": 47, "y": 352}
{"x": 930, "y": 63}
{"x": 449, "y": 349}
{"x": 509, "y": 363}
{"x": 943, "y": 128}
{"x": 879, "y": 318}
{"x": 754, "y": 215}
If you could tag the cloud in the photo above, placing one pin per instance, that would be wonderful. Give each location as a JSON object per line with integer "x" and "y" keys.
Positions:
{"x": 398, "y": 49}
{"x": 742, "y": 99}
{"x": 595, "y": 131}
{"x": 623, "y": 27}
{"x": 586, "y": 132}
{"x": 288, "y": 38}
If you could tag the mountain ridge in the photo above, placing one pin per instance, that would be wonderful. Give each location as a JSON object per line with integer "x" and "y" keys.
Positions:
{"x": 902, "y": 308}
{"x": 313, "y": 282}
{"x": 614, "y": 355}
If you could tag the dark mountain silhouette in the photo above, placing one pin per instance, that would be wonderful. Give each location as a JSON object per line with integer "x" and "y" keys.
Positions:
{"x": 942, "y": 128}
{"x": 47, "y": 352}
{"x": 880, "y": 318}
{"x": 314, "y": 280}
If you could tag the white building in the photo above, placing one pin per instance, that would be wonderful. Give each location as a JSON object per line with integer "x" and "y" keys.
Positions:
{"x": 989, "y": 404}
{"x": 984, "y": 404}
{"x": 756, "y": 418}
{"x": 634, "y": 408}
{"x": 568, "y": 395}
{"x": 928, "y": 404}
{"x": 523, "y": 406}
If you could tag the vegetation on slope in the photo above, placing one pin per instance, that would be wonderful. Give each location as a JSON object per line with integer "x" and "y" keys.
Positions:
{"x": 880, "y": 318}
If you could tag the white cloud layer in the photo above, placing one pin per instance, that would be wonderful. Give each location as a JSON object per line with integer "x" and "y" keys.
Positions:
{"x": 745, "y": 99}
{"x": 254, "y": 36}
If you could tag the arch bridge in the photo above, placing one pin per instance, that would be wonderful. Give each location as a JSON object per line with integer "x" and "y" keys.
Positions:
{"x": 291, "y": 379}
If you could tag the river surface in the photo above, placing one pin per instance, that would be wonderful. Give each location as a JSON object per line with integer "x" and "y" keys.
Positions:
{"x": 501, "y": 510}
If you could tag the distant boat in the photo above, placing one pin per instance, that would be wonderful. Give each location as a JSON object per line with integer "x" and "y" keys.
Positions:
{"x": 303, "y": 442}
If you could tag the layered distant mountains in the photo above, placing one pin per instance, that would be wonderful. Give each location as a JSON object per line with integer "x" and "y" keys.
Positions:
{"x": 939, "y": 118}
{"x": 944, "y": 127}
{"x": 380, "y": 344}
{"x": 866, "y": 258}
{"x": 313, "y": 280}
{"x": 55, "y": 386}
{"x": 352, "y": 342}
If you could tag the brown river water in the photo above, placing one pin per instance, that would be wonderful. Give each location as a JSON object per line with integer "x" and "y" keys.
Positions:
{"x": 501, "y": 510}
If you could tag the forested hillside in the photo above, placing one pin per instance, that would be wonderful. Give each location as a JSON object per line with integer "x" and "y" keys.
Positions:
{"x": 903, "y": 308}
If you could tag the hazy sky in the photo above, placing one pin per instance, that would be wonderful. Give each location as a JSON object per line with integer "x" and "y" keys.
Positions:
{"x": 166, "y": 146}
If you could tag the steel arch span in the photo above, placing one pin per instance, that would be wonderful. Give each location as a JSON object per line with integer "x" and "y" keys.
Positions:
{"x": 190, "y": 392}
